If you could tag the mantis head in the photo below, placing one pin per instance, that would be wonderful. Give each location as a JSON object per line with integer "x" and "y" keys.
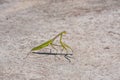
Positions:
{"x": 64, "y": 32}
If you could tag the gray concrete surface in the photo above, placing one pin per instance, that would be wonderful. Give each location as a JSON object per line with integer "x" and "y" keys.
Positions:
{"x": 93, "y": 31}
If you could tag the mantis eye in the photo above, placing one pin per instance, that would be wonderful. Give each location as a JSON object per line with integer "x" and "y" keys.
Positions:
{"x": 64, "y": 32}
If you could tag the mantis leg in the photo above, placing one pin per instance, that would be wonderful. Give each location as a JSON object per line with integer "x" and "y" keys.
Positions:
{"x": 27, "y": 55}
{"x": 53, "y": 47}
{"x": 56, "y": 45}
{"x": 65, "y": 46}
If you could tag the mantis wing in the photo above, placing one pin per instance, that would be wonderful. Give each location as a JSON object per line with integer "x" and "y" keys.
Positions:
{"x": 45, "y": 44}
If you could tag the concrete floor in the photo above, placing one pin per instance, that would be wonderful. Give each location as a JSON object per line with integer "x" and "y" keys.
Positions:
{"x": 93, "y": 31}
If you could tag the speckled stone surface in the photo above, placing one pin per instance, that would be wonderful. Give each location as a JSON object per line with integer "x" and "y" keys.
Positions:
{"x": 93, "y": 31}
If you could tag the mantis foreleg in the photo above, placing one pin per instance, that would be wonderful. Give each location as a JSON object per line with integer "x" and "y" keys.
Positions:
{"x": 65, "y": 46}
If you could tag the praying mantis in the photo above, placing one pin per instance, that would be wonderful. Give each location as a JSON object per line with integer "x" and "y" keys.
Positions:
{"x": 50, "y": 42}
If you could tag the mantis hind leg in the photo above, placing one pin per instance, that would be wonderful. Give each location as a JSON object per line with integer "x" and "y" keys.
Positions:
{"x": 27, "y": 55}
{"x": 52, "y": 45}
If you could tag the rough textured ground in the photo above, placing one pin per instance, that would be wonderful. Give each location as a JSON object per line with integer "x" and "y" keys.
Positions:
{"x": 93, "y": 31}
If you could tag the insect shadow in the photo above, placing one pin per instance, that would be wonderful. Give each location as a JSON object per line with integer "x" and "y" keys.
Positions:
{"x": 66, "y": 55}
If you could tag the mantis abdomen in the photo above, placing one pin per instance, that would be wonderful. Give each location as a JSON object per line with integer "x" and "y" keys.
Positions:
{"x": 42, "y": 45}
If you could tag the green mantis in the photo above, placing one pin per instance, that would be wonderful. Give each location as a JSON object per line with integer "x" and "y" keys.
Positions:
{"x": 50, "y": 42}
